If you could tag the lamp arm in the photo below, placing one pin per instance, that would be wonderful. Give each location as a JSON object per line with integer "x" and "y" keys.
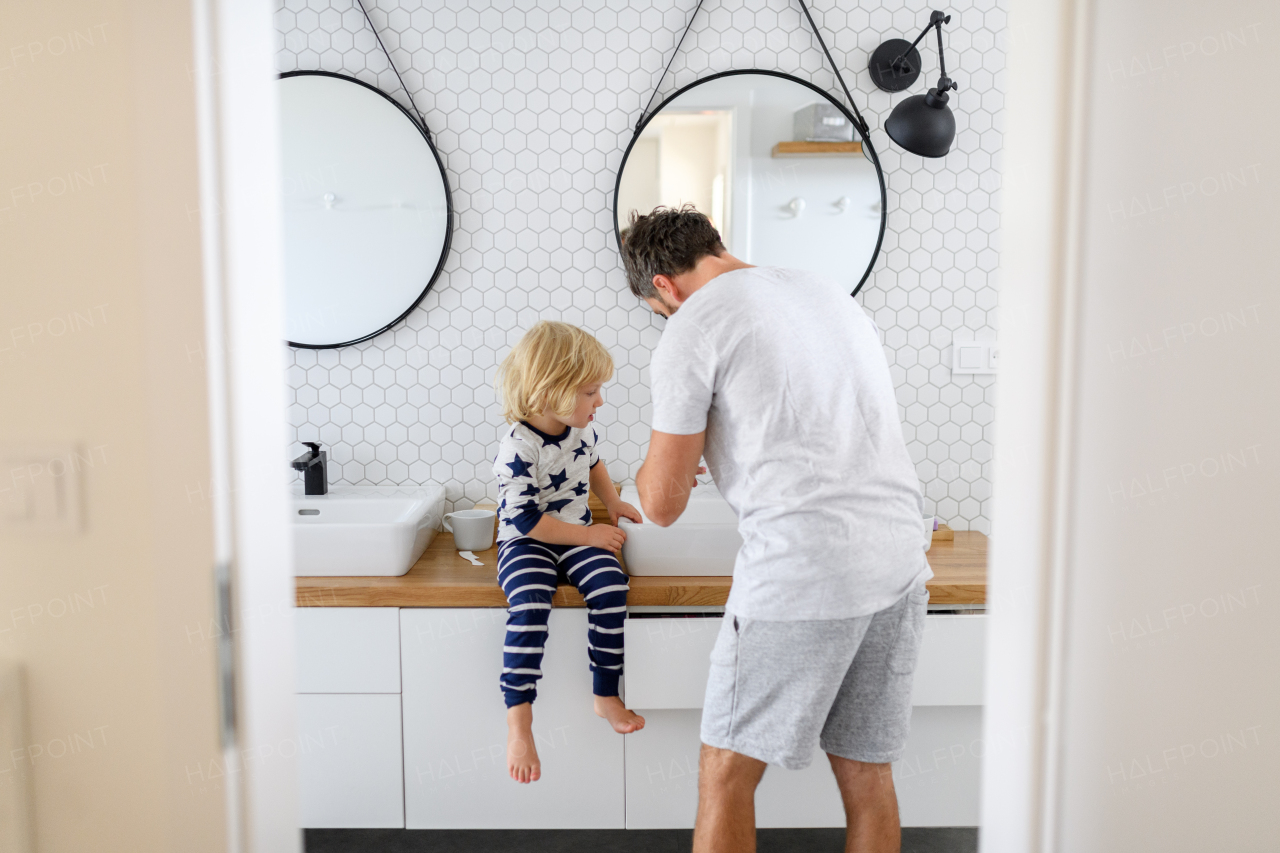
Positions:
{"x": 936, "y": 20}
{"x": 942, "y": 61}
{"x": 923, "y": 33}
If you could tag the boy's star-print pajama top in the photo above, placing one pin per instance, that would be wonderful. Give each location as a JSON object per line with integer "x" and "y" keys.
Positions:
{"x": 540, "y": 474}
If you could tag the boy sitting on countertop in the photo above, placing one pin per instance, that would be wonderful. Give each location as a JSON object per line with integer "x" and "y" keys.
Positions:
{"x": 547, "y": 460}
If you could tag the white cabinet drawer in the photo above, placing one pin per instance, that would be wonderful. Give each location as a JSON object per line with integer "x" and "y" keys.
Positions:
{"x": 348, "y": 649}
{"x": 937, "y": 777}
{"x": 455, "y": 728}
{"x": 950, "y": 668}
{"x": 350, "y": 762}
{"x": 662, "y": 781}
{"x": 667, "y": 660}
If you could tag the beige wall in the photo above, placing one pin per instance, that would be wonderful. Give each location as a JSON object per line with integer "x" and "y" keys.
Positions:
{"x": 689, "y": 159}
{"x": 639, "y": 189}
{"x": 104, "y": 90}
{"x": 1172, "y": 694}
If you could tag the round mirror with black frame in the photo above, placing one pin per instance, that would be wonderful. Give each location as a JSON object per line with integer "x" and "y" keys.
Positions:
{"x": 368, "y": 216}
{"x": 777, "y": 164}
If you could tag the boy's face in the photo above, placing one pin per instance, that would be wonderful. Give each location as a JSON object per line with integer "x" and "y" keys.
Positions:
{"x": 589, "y": 399}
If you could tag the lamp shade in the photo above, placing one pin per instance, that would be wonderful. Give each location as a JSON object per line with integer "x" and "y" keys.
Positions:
{"x": 923, "y": 124}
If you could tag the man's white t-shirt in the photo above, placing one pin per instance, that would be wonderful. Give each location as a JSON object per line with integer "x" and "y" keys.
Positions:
{"x": 786, "y": 374}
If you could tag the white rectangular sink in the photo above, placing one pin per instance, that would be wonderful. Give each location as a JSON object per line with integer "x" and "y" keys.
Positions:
{"x": 704, "y": 540}
{"x": 364, "y": 530}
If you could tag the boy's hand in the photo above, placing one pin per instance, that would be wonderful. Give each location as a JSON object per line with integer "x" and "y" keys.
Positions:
{"x": 604, "y": 536}
{"x": 622, "y": 509}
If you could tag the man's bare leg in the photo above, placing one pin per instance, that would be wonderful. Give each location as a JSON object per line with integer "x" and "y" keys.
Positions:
{"x": 726, "y": 802}
{"x": 870, "y": 806}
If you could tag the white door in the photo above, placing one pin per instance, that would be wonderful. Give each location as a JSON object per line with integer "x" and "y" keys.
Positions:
{"x": 117, "y": 465}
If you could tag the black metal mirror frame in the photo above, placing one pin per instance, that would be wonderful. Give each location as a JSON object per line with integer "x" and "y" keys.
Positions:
{"x": 866, "y": 144}
{"x": 448, "y": 200}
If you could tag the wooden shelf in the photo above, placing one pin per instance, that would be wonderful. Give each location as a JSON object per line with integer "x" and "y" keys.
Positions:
{"x": 817, "y": 149}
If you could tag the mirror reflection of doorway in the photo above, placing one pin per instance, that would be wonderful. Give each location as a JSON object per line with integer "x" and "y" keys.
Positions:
{"x": 684, "y": 158}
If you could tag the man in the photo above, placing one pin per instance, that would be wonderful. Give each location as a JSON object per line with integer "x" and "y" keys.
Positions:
{"x": 778, "y": 378}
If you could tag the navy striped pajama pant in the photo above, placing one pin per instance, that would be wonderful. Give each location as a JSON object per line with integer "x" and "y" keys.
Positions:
{"x": 527, "y": 572}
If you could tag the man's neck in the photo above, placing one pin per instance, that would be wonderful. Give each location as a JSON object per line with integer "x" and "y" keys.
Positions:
{"x": 709, "y": 267}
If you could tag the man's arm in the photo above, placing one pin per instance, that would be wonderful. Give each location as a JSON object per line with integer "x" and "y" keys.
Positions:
{"x": 668, "y": 475}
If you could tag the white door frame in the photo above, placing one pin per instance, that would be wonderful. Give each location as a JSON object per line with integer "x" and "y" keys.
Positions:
{"x": 241, "y": 235}
{"x": 1042, "y": 181}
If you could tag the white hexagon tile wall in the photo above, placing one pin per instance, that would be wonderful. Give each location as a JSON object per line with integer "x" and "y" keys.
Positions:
{"x": 532, "y": 104}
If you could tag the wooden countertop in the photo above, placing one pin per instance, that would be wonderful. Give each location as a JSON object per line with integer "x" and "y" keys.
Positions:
{"x": 441, "y": 578}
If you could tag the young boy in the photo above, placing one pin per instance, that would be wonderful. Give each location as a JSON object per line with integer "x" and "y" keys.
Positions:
{"x": 547, "y": 459}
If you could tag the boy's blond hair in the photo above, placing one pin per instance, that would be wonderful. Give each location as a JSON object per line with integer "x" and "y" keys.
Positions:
{"x": 542, "y": 373}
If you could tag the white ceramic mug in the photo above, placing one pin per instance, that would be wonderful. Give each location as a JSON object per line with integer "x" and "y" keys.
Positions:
{"x": 472, "y": 529}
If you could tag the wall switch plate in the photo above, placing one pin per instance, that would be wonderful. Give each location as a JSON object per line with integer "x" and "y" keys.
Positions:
{"x": 40, "y": 487}
{"x": 974, "y": 356}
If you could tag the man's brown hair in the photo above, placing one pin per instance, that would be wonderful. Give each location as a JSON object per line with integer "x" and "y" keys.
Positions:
{"x": 666, "y": 242}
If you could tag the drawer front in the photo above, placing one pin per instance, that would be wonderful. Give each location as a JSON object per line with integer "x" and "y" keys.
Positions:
{"x": 667, "y": 660}
{"x": 350, "y": 761}
{"x": 348, "y": 649}
{"x": 950, "y": 669}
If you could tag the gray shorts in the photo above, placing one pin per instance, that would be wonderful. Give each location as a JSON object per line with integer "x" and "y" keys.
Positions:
{"x": 778, "y": 688}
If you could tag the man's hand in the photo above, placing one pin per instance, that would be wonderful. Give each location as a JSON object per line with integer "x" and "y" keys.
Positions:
{"x": 605, "y": 536}
{"x": 622, "y": 509}
{"x": 667, "y": 477}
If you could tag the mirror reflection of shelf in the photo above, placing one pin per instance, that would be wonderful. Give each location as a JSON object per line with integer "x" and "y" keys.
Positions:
{"x": 817, "y": 149}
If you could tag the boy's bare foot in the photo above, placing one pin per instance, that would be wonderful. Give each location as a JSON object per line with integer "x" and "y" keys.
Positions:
{"x": 623, "y": 721}
{"x": 522, "y": 755}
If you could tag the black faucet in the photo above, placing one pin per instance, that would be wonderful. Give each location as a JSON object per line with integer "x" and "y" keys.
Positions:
{"x": 314, "y": 465}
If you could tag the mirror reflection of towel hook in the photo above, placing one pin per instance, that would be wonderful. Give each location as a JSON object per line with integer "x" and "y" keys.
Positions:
{"x": 842, "y": 204}
{"x": 796, "y": 206}
{"x": 329, "y": 201}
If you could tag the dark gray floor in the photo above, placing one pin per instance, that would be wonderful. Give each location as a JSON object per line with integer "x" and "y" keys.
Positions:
{"x": 961, "y": 840}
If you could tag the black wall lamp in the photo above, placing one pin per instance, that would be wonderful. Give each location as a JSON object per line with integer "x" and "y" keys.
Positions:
{"x": 922, "y": 124}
